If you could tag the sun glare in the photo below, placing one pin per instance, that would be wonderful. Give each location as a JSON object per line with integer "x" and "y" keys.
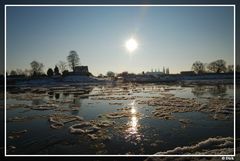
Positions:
{"x": 131, "y": 45}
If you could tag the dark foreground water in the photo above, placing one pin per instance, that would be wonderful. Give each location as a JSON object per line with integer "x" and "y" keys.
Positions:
{"x": 140, "y": 119}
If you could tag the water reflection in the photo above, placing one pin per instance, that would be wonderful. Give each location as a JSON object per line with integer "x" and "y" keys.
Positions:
{"x": 57, "y": 95}
{"x": 133, "y": 125}
{"x": 65, "y": 94}
{"x": 217, "y": 90}
{"x": 132, "y": 133}
{"x": 133, "y": 111}
{"x": 199, "y": 90}
{"x": 37, "y": 102}
{"x": 144, "y": 135}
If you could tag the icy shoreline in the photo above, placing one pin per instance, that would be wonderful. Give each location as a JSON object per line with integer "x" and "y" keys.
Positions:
{"x": 210, "y": 146}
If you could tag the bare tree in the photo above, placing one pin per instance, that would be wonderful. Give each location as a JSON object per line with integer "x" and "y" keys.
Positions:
{"x": 50, "y": 72}
{"x": 13, "y": 72}
{"x": 237, "y": 68}
{"x": 167, "y": 71}
{"x": 100, "y": 76}
{"x": 65, "y": 72}
{"x": 27, "y": 72}
{"x": 56, "y": 70}
{"x": 62, "y": 66}
{"x": 73, "y": 59}
{"x": 217, "y": 66}
{"x": 110, "y": 74}
{"x": 36, "y": 67}
{"x": 230, "y": 68}
{"x": 198, "y": 67}
{"x": 20, "y": 72}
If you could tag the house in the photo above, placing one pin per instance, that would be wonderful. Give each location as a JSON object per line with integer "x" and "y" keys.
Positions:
{"x": 81, "y": 70}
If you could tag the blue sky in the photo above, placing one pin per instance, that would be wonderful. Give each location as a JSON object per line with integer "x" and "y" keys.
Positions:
{"x": 173, "y": 37}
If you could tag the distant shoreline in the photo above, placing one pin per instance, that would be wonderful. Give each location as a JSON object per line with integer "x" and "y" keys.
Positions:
{"x": 201, "y": 79}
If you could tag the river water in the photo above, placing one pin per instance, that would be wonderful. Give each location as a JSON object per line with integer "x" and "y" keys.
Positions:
{"x": 128, "y": 108}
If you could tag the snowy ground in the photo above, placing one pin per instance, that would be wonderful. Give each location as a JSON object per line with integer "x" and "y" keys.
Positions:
{"x": 61, "y": 81}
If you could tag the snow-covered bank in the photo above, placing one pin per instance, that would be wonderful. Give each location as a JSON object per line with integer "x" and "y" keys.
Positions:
{"x": 80, "y": 79}
{"x": 67, "y": 80}
{"x": 211, "y": 146}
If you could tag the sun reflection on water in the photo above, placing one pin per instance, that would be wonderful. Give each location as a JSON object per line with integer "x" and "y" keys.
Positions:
{"x": 132, "y": 133}
{"x": 133, "y": 111}
{"x": 133, "y": 125}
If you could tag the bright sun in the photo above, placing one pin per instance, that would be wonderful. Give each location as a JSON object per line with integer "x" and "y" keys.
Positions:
{"x": 131, "y": 44}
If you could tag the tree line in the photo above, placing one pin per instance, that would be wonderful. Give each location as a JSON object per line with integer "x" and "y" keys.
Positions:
{"x": 73, "y": 60}
{"x": 218, "y": 66}
{"x": 61, "y": 68}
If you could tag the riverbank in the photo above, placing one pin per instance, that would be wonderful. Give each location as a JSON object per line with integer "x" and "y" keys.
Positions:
{"x": 209, "y": 78}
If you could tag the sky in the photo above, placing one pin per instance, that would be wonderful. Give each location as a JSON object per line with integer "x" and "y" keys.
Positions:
{"x": 173, "y": 37}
